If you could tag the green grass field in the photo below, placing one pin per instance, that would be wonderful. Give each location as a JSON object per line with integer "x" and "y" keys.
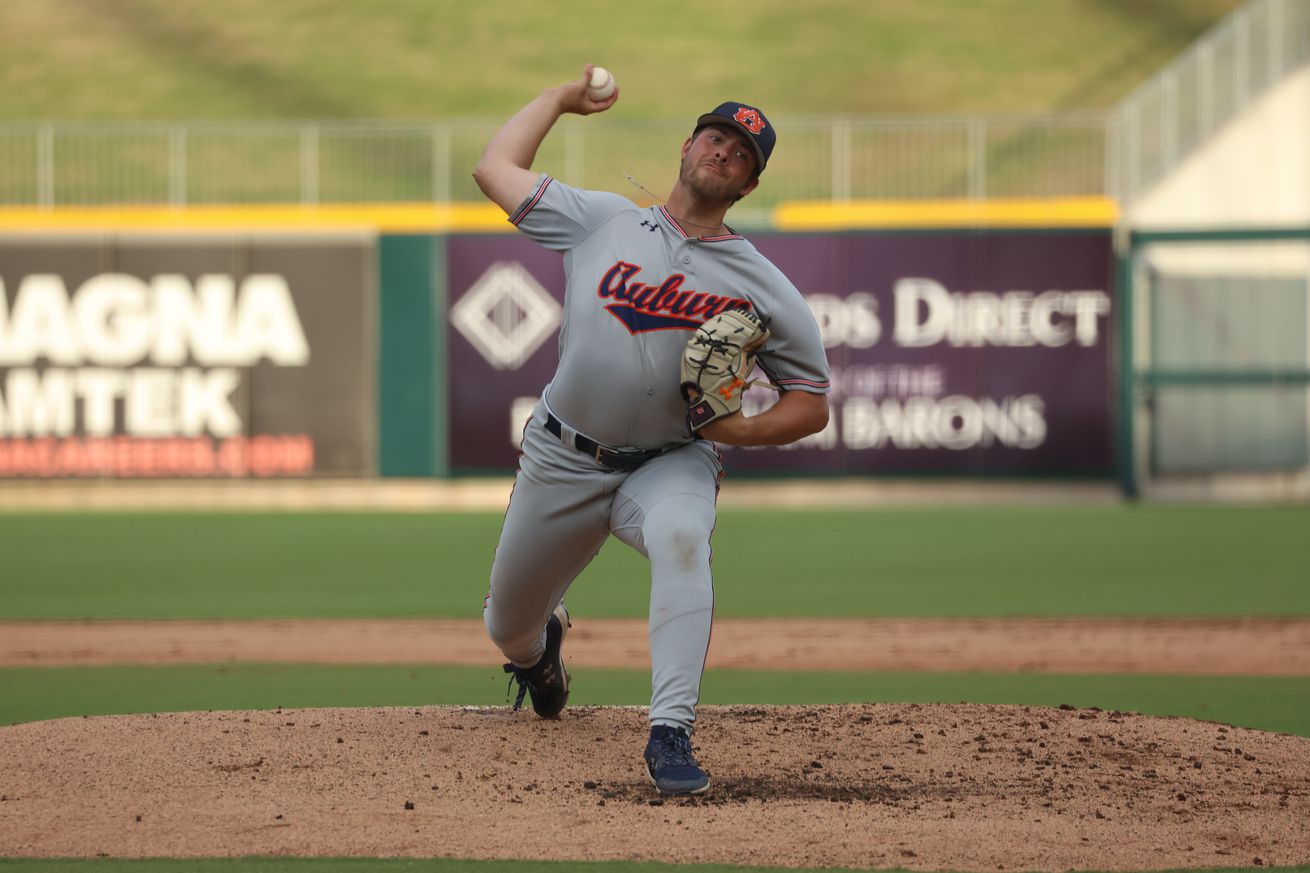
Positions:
{"x": 992, "y": 561}
{"x": 984, "y": 561}
{"x": 415, "y": 59}
{"x": 1272, "y": 703}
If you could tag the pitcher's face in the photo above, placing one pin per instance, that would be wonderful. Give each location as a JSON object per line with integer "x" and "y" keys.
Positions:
{"x": 717, "y": 165}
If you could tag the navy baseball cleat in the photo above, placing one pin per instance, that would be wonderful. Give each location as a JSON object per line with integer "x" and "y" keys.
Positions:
{"x": 670, "y": 765}
{"x": 548, "y": 681}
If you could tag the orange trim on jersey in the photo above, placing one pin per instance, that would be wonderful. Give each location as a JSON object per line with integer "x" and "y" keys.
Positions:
{"x": 673, "y": 221}
{"x": 685, "y": 235}
{"x": 536, "y": 198}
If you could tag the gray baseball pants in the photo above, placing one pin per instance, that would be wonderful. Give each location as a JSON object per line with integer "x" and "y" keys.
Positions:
{"x": 563, "y": 506}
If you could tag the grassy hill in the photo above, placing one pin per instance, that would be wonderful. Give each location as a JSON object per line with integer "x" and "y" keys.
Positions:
{"x": 419, "y": 59}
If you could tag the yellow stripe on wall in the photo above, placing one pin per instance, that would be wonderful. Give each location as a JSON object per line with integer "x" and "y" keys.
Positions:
{"x": 488, "y": 218}
{"x": 381, "y": 217}
{"x": 868, "y": 214}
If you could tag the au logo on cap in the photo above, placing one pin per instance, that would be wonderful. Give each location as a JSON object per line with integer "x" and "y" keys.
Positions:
{"x": 750, "y": 119}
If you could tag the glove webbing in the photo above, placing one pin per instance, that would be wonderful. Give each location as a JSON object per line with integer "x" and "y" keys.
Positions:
{"x": 715, "y": 344}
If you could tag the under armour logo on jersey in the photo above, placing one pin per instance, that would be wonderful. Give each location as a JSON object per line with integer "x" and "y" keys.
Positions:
{"x": 650, "y": 226}
{"x": 665, "y": 306}
{"x": 750, "y": 119}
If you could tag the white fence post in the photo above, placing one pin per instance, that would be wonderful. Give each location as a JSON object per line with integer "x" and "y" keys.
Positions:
{"x": 45, "y": 167}
{"x": 841, "y": 159}
{"x": 1275, "y": 39}
{"x": 309, "y": 165}
{"x": 1169, "y": 117}
{"x": 1242, "y": 56}
{"x": 441, "y": 181}
{"x": 977, "y": 145}
{"x": 1133, "y": 149}
{"x": 1205, "y": 92}
{"x": 177, "y": 169}
{"x": 1114, "y": 154}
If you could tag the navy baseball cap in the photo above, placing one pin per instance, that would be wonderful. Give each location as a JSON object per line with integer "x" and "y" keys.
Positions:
{"x": 750, "y": 121}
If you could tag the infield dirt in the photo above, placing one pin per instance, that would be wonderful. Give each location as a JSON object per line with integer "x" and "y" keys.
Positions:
{"x": 956, "y": 787}
{"x": 1204, "y": 646}
{"x": 925, "y": 787}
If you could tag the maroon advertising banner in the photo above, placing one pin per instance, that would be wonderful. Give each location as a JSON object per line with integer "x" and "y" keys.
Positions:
{"x": 955, "y": 353}
{"x": 186, "y": 357}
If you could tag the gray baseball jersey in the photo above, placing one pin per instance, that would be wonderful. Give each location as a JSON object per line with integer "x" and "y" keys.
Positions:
{"x": 637, "y": 286}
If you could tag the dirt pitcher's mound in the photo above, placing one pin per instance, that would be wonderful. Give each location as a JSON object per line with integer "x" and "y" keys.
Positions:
{"x": 926, "y": 787}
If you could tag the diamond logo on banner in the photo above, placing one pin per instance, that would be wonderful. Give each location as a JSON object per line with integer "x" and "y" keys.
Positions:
{"x": 506, "y": 315}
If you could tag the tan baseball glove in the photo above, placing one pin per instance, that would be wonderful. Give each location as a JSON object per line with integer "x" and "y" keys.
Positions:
{"x": 717, "y": 362}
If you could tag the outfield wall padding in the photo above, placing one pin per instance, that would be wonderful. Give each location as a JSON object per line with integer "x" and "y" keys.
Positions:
{"x": 956, "y": 352}
{"x": 965, "y": 352}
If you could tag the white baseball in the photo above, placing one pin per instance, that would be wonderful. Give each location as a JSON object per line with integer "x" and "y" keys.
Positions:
{"x": 602, "y": 84}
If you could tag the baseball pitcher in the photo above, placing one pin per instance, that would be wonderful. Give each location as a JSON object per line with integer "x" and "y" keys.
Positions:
{"x": 667, "y": 312}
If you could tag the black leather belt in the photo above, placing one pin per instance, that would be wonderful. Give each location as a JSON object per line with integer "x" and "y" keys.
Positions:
{"x": 615, "y": 459}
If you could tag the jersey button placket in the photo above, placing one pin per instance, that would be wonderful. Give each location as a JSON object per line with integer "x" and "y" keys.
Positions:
{"x": 683, "y": 255}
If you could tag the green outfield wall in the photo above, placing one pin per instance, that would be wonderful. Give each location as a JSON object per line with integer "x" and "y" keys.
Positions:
{"x": 411, "y": 356}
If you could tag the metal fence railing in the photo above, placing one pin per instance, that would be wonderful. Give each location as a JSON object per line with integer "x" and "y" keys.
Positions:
{"x": 1219, "y": 75}
{"x": 839, "y": 159}
{"x": 1117, "y": 153}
